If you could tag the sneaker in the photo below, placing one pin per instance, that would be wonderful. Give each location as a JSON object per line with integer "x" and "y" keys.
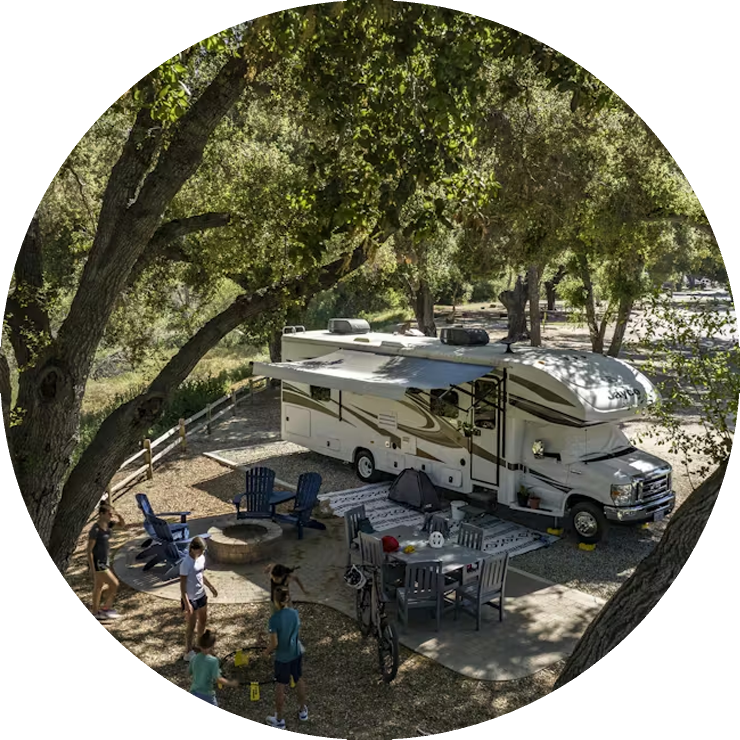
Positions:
{"x": 274, "y": 722}
{"x": 189, "y": 656}
{"x": 102, "y": 616}
{"x": 111, "y": 613}
{"x": 303, "y": 714}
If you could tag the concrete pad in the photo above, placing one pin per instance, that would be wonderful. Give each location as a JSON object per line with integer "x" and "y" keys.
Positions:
{"x": 542, "y": 621}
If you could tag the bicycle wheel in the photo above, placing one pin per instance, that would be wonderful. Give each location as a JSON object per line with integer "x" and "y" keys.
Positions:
{"x": 362, "y": 603}
{"x": 388, "y": 651}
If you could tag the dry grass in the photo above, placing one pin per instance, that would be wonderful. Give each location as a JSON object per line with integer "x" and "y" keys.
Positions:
{"x": 346, "y": 696}
{"x": 100, "y": 392}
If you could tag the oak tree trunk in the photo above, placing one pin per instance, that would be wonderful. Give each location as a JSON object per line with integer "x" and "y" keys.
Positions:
{"x": 596, "y": 333}
{"x": 623, "y": 316}
{"x": 124, "y": 428}
{"x": 535, "y": 318}
{"x": 515, "y": 302}
{"x": 5, "y": 390}
{"x": 424, "y": 309}
{"x": 551, "y": 287}
{"x": 644, "y": 588}
{"x": 53, "y": 371}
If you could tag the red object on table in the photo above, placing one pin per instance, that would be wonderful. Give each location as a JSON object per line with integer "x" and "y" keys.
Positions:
{"x": 390, "y": 544}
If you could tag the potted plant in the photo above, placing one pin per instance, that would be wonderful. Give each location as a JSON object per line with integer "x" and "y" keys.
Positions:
{"x": 534, "y": 501}
{"x": 522, "y": 496}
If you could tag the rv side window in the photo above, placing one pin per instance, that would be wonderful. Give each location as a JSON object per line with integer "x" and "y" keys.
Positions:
{"x": 446, "y": 406}
{"x": 486, "y": 399}
{"x": 320, "y": 394}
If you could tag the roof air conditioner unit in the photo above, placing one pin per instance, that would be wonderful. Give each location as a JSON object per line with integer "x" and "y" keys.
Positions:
{"x": 460, "y": 336}
{"x": 348, "y": 326}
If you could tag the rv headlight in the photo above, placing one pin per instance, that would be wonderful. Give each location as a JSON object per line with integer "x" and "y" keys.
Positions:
{"x": 622, "y": 494}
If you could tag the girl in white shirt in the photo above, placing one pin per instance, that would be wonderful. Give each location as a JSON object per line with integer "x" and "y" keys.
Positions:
{"x": 193, "y": 600}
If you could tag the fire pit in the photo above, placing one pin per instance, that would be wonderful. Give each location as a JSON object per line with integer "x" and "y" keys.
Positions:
{"x": 247, "y": 541}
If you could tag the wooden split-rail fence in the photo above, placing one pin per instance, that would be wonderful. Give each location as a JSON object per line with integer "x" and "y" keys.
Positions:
{"x": 246, "y": 388}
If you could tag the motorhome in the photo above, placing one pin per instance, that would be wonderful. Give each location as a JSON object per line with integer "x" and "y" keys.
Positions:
{"x": 533, "y": 428}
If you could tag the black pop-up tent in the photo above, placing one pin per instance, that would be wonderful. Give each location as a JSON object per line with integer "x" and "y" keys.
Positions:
{"x": 413, "y": 488}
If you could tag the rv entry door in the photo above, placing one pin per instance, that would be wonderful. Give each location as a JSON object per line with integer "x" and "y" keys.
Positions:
{"x": 488, "y": 412}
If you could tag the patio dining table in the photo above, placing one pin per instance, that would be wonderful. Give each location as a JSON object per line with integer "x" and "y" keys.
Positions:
{"x": 452, "y": 556}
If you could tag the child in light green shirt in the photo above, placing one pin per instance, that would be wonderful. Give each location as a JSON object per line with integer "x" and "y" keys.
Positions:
{"x": 206, "y": 670}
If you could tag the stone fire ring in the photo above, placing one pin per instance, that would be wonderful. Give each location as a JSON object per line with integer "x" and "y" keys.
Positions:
{"x": 242, "y": 540}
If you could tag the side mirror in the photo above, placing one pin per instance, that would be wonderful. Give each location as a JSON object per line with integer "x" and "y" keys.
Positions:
{"x": 538, "y": 449}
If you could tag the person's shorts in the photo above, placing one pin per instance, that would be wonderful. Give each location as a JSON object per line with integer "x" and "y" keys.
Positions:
{"x": 100, "y": 567}
{"x": 283, "y": 671}
{"x": 197, "y": 604}
{"x": 210, "y": 698}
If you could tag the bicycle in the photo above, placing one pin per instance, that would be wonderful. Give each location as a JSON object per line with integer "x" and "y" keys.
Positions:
{"x": 370, "y": 605}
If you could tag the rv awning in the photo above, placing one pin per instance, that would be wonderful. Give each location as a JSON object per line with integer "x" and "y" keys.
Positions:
{"x": 373, "y": 375}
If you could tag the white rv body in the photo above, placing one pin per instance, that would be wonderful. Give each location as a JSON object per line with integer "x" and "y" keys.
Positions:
{"x": 468, "y": 416}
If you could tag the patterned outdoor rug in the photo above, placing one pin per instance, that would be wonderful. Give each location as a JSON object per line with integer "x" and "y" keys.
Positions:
{"x": 500, "y": 535}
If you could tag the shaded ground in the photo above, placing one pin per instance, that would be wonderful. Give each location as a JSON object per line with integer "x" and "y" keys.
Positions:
{"x": 345, "y": 692}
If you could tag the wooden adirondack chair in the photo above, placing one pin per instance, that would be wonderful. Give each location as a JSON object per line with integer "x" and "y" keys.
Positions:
{"x": 307, "y": 496}
{"x": 167, "y": 549}
{"x": 179, "y": 531}
{"x": 254, "y": 503}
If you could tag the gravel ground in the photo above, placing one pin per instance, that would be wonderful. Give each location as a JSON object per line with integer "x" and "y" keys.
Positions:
{"x": 340, "y": 669}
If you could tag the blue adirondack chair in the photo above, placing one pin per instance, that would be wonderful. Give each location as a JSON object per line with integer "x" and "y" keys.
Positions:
{"x": 307, "y": 496}
{"x": 179, "y": 531}
{"x": 166, "y": 548}
{"x": 255, "y": 502}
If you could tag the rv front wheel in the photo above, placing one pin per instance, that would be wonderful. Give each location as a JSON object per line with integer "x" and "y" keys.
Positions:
{"x": 589, "y": 522}
{"x": 365, "y": 467}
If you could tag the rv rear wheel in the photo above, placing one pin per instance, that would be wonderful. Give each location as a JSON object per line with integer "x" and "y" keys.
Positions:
{"x": 365, "y": 467}
{"x": 589, "y": 522}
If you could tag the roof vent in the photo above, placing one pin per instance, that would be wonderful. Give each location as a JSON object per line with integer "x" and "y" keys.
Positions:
{"x": 348, "y": 326}
{"x": 461, "y": 336}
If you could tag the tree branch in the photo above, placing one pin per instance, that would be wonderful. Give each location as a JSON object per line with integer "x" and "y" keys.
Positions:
{"x": 679, "y": 219}
{"x": 26, "y": 318}
{"x": 124, "y": 428}
{"x": 127, "y": 223}
{"x": 163, "y": 243}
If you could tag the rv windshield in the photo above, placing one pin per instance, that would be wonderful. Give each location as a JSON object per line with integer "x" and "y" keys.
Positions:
{"x": 585, "y": 444}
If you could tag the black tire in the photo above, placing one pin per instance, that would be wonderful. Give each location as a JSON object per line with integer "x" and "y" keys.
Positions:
{"x": 388, "y": 651}
{"x": 365, "y": 467}
{"x": 362, "y": 604}
{"x": 589, "y": 522}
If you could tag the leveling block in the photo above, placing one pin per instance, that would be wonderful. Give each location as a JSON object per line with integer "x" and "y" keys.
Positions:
{"x": 586, "y": 546}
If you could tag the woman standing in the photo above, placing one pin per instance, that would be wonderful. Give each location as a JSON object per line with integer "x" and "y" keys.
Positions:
{"x": 98, "y": 556}
{"x": 193, "y": 599}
